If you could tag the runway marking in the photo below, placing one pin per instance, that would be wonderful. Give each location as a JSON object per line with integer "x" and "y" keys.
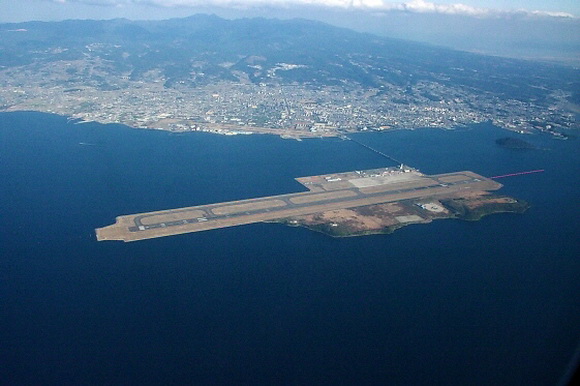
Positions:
{"x": 172, "y": 216}
{"x": 247, "y": 207}
{"x": 312, "y": 198}
{"x": 456, "y": 178}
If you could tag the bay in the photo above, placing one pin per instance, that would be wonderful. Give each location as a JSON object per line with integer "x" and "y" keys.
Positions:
{"x": 451, "y": 302}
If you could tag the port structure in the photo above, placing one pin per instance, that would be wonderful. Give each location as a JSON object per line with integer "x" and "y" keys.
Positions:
{"x": 325, "y": 192}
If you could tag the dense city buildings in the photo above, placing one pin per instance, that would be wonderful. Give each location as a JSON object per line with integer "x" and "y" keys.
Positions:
{"x": 295, "y": 79}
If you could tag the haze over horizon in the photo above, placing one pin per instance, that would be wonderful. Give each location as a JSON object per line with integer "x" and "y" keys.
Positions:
{"x": 157, "y": 9}
{"x": 525, "y": 29}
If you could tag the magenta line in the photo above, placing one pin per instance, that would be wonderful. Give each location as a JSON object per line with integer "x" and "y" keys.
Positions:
{"x": 519, "y": 173}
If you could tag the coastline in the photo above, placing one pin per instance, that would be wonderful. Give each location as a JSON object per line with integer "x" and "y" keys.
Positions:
{"x": 183, "y": 126}
{"x": 349, "y": 223}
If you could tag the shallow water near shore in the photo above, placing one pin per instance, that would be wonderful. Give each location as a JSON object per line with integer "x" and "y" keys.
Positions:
{"x": 451, "y": 302}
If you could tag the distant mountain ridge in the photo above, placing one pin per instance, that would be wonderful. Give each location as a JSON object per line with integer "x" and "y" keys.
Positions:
{"x": 326, "y": 52}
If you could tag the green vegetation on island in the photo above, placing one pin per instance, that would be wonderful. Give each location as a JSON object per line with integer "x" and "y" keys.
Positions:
{"x": 387, "y": 218}
{"x": 464, "y": 209}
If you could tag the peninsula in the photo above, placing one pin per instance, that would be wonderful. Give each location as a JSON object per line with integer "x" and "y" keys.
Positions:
{"x": 340, "y": 204}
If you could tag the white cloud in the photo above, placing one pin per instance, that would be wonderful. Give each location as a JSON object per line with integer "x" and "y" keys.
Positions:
{"x": 421, "y": 6}
{"x": 413, "y": 6}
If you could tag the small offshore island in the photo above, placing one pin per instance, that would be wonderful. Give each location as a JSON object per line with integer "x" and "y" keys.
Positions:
{"x": 353, "y": 203}
{"x": 514, "y": 143}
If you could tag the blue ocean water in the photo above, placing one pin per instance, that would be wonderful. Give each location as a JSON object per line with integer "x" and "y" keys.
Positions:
{"x": 488, "y": 302}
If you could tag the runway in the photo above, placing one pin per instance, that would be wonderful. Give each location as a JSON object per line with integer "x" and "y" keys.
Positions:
{"x": 326, "y": 192}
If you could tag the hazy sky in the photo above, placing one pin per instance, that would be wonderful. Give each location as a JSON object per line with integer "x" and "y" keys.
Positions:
{"x": 23, "y": 10}
{"x": 520, "y": 28}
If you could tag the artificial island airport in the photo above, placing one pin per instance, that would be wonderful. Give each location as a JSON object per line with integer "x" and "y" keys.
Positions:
{"x": 325, "y": 193}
